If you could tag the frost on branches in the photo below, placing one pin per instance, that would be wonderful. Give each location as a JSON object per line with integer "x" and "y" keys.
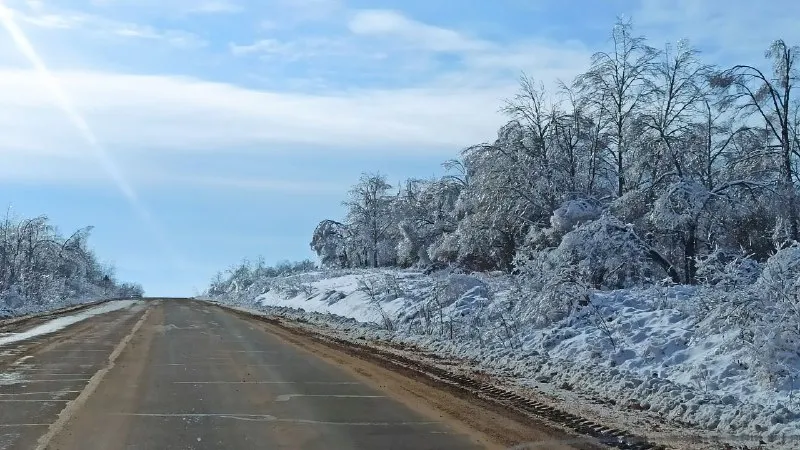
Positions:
{"x": 41, "y": 270}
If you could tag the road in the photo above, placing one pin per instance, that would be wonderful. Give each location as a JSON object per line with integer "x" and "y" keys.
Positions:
{"x": 179, "y": 374}
{"x": 184, "y": 375}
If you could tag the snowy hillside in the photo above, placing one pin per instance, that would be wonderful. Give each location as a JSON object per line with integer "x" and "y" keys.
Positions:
{"x": 664, "y": 350}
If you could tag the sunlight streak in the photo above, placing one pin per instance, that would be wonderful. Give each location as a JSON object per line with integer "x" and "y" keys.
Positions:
{"x": 66, "y": 105}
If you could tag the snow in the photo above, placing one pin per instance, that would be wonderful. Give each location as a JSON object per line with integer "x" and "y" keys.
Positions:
{"x": 654, "y": 348}
{"x": 65, "y": 321}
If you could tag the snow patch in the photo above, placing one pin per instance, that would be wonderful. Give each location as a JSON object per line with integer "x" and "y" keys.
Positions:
{"x": 65, "y": 321}
{"x": 659, "y": 350}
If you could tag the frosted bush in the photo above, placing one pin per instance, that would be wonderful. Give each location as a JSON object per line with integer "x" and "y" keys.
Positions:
{"x": 574, "y": 213}
{"x": 607, "y": 254}
{"x": 680, "y": 205}
{"x": 727, "y": 270}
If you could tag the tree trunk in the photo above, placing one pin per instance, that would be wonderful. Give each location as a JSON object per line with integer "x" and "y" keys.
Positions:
{"x": 669, "y": 268}
{"x": 690, "y": 255}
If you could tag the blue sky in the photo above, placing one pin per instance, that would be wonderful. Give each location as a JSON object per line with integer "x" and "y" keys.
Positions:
{"x": 239, "y": 124}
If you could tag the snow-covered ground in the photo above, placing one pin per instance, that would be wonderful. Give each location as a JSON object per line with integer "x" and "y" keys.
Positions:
{"x": 64, "y": 321}
{"x": 644, "y": 349}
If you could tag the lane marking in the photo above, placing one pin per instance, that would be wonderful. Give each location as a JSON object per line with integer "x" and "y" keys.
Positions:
{"x": 57, "y": 374}
{"x": 78, "y": 351}
{"x": 9, "y": 425}
{"x": 269, "y": 418}
{"x": 247, "y": 351}
{"x": 25, "y": 381}
{"x": 287, "y": 397}
{"x": 234, "y": 382}
{"x": 333, "y": 383}
{"x": 44, "y": 367}
{"x": 22, "y": 360}
{"x": 74, "y": 405}
{"x": 214, "y": 365}
{"x": 42, "y": 393}
{"x": 28, "y": 400}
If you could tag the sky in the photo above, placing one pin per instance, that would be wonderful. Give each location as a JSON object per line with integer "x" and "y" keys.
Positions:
{"x": 194, "y": 133}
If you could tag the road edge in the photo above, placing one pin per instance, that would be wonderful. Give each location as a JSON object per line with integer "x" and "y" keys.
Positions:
{"x": 74, "y": 405}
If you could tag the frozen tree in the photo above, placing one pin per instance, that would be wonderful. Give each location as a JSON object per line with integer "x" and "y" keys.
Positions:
{"x": 770, "y": 99}
{"x": 693, "y": 166}
{"x": 370, "y": 218}
{"x": 330, "y": 242}
{"x": 675, "y": 94}
{"x": 426, "y": 211}
{"x": 616, "y": 87}
{"x": 40, "y": 269}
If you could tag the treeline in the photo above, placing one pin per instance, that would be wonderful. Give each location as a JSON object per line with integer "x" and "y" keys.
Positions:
{"x": 40, "y": 268}
{"x": 650, "y": 165}
{"x": 245, "y": 274}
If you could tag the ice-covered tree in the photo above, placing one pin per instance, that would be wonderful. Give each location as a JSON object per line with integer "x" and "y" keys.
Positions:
{"x": 330, "y": 242}
{"x": 769, "y": 97}
{"x": 371, "y": 221}
{"x": 616, "y": 86}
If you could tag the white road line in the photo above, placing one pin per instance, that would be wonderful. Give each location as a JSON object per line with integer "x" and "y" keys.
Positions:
{"x": 247, "y": 351}
{"x": 214, "y": 365}
{"x": 333, "y": 383}
{"x": 9, "y": 425}
{"x": 287, "y": 397}
{"x": 57, "y": 374}
{"x": 77, "y": 357}
{"x": 109, "y": 350}
{"x": 45, "y": 366}
{"x": 26, "y": 381}
{"x": 41, "y": 393}
{"x": 74, "y": 405}
{"x": 233, "y": 382}
{"x": 28, "y": 400}
{"x": 269, "y": 418}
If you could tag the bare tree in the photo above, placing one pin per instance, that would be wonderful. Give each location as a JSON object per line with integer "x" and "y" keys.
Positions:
{"x": 369, "y": 214}
{"x": 770, "y": 98}
{"x": 615, "y": 86}
{"x": 675, "y": 96}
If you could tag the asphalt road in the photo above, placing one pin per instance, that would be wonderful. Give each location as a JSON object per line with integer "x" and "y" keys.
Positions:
{"x": 185, "y": 375}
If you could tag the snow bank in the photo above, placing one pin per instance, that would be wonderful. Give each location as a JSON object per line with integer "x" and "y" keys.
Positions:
{"x": 660, "y": 350}
{"x": 65, "y": 321}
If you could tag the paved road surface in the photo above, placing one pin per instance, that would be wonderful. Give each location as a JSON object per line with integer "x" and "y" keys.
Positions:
{"x": 190, "y": 376}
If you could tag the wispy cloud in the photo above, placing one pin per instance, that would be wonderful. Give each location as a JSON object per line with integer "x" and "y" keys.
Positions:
{"x": 216, "y": 7}
{"x": 102, "y": 26}
{"x": 740, "y": 29}
{"x": 293, "y": 50}
{"x": 148, "y": 115}
{"x": 388, "y": 45}
{"x": 393, "y": 24}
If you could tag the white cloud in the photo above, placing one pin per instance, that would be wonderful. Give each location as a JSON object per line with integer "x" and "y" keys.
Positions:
{"x": 55, "y": 21}
{"x": 737, "y": 29}
{"x": 143, "y": 117}
{"x": 394, "y": 24}
{"x": 102, "y": 26}
{"x": 216, "y": 7}
{"x": 296, "y": 186}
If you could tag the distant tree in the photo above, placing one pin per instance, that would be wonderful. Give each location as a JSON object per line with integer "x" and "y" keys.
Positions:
{"x": 370, "y": 218}
{"x": 330, "y": 241}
